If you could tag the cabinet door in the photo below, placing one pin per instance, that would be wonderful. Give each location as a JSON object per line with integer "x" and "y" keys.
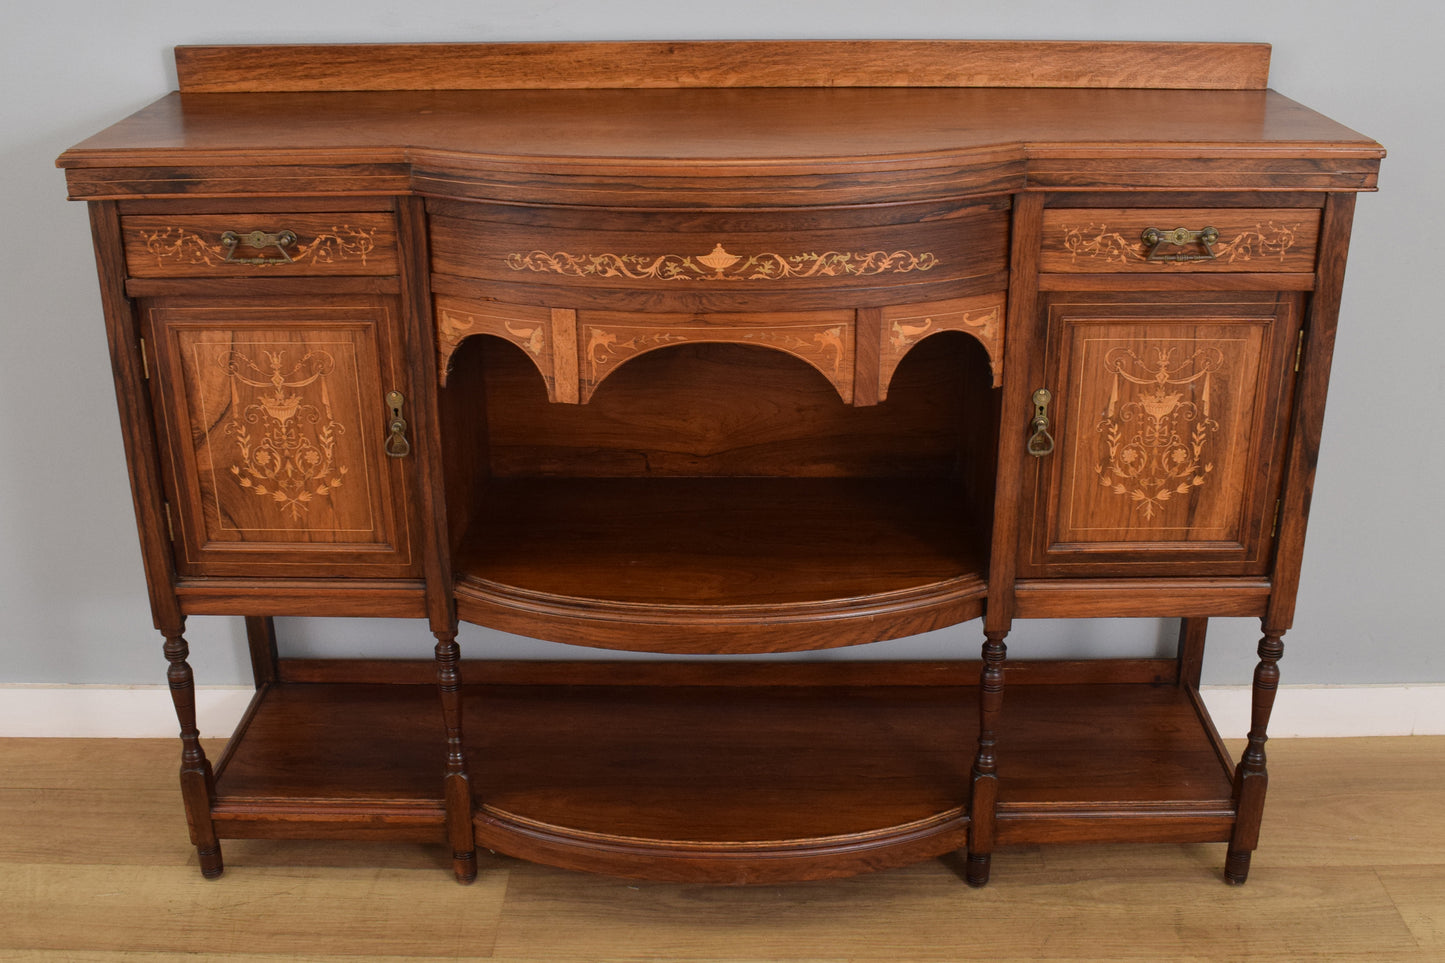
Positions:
{"x": 1168, "y": 413}
{"x": 274, "y": 418}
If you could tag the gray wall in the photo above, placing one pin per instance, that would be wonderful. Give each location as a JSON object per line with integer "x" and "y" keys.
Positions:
{"x": 72, "y": 603}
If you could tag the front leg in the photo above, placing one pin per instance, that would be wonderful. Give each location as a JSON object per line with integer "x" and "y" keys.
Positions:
{"x": 984, "y": 795}
{"x": 456, "y": 786}
{"x": 198, "y": 787}
{"x": 1251, "y": 778}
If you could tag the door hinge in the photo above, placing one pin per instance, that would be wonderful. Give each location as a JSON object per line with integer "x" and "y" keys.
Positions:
{"x": 1274, "y": 529}
{"x": 170, "y": 525}
{"x": 1299, "y": 351}
{"x": 145, "y": 365}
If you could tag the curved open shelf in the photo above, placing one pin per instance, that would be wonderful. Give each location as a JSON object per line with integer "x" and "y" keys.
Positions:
{"x": 730, "y": 564}
{"x": 718, "y": 762}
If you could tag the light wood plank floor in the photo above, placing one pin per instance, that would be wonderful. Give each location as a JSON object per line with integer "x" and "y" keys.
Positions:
{"x": 94, "y": 865}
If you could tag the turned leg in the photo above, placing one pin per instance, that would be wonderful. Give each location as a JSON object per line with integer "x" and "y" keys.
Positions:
{"x": 984, "y": 793}
{"x": 1250, "y": 777}
{"x": 198, "y": 787}
{"x": 456, "y": 786}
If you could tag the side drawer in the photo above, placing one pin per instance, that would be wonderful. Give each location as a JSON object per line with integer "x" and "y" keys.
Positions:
{"x": 1102, "y": 240}
{"x": 248, "y": 245}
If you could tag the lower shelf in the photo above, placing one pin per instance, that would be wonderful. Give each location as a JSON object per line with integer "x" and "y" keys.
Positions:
{"x": 790, "y": 777}
{"x": 339, "y": 761}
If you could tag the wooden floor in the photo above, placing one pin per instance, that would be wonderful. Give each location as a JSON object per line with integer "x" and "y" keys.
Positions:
{"x": 94, "y": 865}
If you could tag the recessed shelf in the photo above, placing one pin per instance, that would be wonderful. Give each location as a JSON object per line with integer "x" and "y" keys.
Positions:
{"x": 703, "y": 553}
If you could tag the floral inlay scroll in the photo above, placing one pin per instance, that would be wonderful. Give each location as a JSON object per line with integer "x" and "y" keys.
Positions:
{"x": 906, "y": 325}
{"x": 826, "y": 346}
{"x": 527, "y": 328}
{"x": 1097, "y": 242}
{"x": 340, "y": 243}
{"x": 285, "y": 436}
{"x": 1155, "y": 433}
{"x": 720, "y": 265}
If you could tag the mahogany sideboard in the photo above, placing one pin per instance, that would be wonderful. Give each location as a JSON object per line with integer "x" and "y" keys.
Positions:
{"x": 723, "y": 348}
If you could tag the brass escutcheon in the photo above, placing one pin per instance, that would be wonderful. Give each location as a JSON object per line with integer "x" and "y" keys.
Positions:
{"x": 1041, "y": 442}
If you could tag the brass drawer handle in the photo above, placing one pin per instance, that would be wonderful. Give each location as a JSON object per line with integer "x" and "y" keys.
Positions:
{"x": 260, "y": 241}
{"x": 1154, "y": 239}
{"x": 1041, "y": 442}
{"x": 396, "y": 444}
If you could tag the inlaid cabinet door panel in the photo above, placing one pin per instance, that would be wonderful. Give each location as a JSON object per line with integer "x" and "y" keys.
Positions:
{"x": 275, "y": 420}
{"x": 1168, "y": 415}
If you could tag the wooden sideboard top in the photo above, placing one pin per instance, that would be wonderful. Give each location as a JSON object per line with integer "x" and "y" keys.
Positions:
{"x": 977, "y": 139}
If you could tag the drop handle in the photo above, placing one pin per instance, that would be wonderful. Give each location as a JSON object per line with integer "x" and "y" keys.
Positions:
{"x": 260, "y": 241}
{"x": 1157, "y": 241}
{"x": 1041, "y": 442}
{"x": 396, "y": 444}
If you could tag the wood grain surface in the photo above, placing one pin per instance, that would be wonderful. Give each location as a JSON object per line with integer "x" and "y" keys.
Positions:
{"x": 934, "y": 63}
{"x": 95, "y": 867}
{"x": 648, "y": 148}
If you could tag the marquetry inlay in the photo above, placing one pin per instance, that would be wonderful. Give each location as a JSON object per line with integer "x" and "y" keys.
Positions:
{"x": 1097, "y": 242}
{"x": 826, "y": 344}
{"x": 284, "y": 436}
{"x": 529, "y": 328}
{"x": 174, "y": 245}
{"x": 906, "y": 325}
{"x": 1153, "y": 436}
{"x": 720, "y": 265}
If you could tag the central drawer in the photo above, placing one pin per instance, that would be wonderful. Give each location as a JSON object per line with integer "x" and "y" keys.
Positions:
{"x": 710, "y": 260}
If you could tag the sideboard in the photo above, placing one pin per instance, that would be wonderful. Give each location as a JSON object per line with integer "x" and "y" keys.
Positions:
{"x": 723, "y": 348}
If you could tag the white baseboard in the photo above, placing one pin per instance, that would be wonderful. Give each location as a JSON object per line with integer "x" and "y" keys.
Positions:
{"x": 123, "y": 712}
{"x": 1313, "y": 711}
{"x": 141, "y": 712}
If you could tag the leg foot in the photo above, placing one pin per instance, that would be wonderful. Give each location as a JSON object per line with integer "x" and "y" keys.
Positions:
{"x": 1236, "y": 867}
{"x": 211, "y": 865}
{"x": 978, "y": 866}
{"x": 464, "y": 865}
